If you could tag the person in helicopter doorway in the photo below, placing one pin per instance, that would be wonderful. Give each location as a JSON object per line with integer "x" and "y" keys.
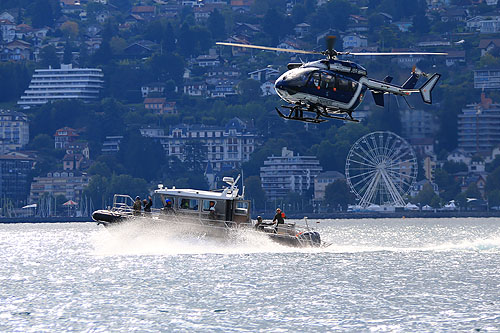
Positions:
{"x": 137, "y": 206}
{"x": 279, "y": 218}
{"x": 147, "y": 205}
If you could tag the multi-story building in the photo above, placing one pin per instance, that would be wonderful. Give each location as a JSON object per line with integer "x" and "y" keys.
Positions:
{"x": 479, "y": 127}
{"x": 70, "y": 184}
{"x": 287, "y": 173}
{"x": 227, "y": 146}
{"x": 487, "y": 79}
{"x": 417, "y": 124}
{"x": 111, "y": 144}
{"x": 14, "y": 131}
{"x": 64, "y": 83}
{"x": 64, "y": 137}
{"x": 14, "y": 178}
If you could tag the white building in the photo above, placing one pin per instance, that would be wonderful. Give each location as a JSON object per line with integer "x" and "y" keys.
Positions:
{"x": 287, "y": 173}
{"x": 14, "y": 131}
{"x": 70, "y": 184}
{"x": 225, "y": 146}
{"x": 64, "y": 83}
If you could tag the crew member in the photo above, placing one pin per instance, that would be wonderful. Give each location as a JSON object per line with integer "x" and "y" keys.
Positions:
{"x": 279, "y": 218}
{"x": 168, "y": 209}
{"x": 211, "y": 211}
{"x": 137, "y": 206}
{"x": 258, "y": 224}
{"x": 147, "y": 205}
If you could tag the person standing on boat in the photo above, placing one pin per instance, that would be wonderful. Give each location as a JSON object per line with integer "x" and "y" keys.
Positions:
{"x": 137, "y": 206}
{"x": 147, "y": 205}
{"x": 258, "y": 224}
{"x": 279, "y": 218}
{"x": 168, "y": 209}
{"x": 211, "y": 211}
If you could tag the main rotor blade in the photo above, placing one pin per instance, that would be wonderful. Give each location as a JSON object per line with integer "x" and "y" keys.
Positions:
{"x": 248, "y": 46}
{"x": 392, "y": 53}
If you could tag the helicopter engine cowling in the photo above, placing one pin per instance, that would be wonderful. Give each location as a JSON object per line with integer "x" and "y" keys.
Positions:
{"x": 293, "y": 65}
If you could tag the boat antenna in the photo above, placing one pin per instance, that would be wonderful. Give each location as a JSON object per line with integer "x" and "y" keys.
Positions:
{"x": 233, "y": 186}
{"x": 242, "y": 184}
{"x": 307, "y": 224}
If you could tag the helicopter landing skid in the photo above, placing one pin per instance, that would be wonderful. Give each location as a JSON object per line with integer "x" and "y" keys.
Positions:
{"x": 297, "y": 113}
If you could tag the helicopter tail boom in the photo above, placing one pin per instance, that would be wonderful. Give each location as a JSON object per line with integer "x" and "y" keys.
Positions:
{"x": 380, "y": 87}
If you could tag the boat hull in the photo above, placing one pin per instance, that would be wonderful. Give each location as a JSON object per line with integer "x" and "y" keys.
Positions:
{"x": 219, "y": 229}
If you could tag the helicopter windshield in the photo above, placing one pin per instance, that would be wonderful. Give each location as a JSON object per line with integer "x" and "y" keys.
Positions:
{"x": 298, "y": 77}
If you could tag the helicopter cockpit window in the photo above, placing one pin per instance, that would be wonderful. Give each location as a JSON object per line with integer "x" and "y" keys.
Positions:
{"x": 316, "y": 79}
{"x": 298, "y": 77}
{"x": 347, "y": 85}
{"x": 327, "y": 81}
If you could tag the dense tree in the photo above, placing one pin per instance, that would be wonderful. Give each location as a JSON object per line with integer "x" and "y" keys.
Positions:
{"x": 455, "y": 167}
{"x": 70, "y": 29}
{"x": 68, "y": 53}
{"x": 43, "y": 13}
{"x": 249, "y": 89}
{"x": 448, "y": 187}
{"x": 254, "y": 191}
{"x": 49, "y": 57}
{"x": 338, "y": 194}
{"x": 165, "y": 67}
{"x": 426, "y": 196}
{"x": 14, "y": 79}
{"x": 217, "y": 25}
{"x": 421, "y": 23}
{"x": 493, "y": 181}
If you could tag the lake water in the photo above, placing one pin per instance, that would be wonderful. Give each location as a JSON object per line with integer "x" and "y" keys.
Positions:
{"x": 378, "y": 275}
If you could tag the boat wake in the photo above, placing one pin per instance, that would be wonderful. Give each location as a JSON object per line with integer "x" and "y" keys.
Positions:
{"x": 478, "y": 245}
{"x": 163, "y": 239}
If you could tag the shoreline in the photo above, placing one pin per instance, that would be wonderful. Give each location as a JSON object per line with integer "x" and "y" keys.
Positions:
{"x": 268, "y": 216}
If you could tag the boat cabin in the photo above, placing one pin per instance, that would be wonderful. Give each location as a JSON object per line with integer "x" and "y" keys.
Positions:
{"x": 224, "y": 205}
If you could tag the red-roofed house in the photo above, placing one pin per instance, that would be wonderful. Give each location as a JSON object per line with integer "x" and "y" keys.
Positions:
{"x": 155, "y": 104}
{"x": 64, "y": 136}
{"x": 146, "y": 12}
{"x": 72, "y": 161}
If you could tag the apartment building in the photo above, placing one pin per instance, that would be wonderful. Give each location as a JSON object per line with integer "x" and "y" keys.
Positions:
{"x": 14, "y": 131}
{"x": 287, "y": 173}
{"x": 227, "y": 146}
{"x": 64, "y": 83}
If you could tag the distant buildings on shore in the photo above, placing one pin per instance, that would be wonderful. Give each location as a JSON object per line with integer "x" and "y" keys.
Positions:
{"x": 65, "y": 83}
{"x": 288, "y": 173}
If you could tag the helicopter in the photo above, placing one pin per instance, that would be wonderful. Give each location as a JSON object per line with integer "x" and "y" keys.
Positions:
{"x": 332, "y": 88}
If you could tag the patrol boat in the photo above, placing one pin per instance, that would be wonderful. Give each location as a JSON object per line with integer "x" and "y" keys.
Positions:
{"x": 215, "y": 213}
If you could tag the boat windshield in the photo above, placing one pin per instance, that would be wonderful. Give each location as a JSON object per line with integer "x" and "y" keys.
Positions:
{"x": 298, "y": 77}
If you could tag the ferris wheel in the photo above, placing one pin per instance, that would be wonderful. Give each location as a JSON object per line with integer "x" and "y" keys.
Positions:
{"x": 381, "y": 167}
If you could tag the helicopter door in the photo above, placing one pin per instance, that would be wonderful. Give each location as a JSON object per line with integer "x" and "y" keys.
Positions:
{"x": 324, "y": 85}
{"x": 346, "y": 89}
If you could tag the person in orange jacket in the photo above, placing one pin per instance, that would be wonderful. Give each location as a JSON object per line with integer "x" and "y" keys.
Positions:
{"x": 279, "y": 218}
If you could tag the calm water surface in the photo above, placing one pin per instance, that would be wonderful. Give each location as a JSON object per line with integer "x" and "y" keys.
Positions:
{"x": 378, "y": 275}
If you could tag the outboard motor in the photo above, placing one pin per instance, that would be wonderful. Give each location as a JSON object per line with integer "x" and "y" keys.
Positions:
{"x": 311, "y": 236}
